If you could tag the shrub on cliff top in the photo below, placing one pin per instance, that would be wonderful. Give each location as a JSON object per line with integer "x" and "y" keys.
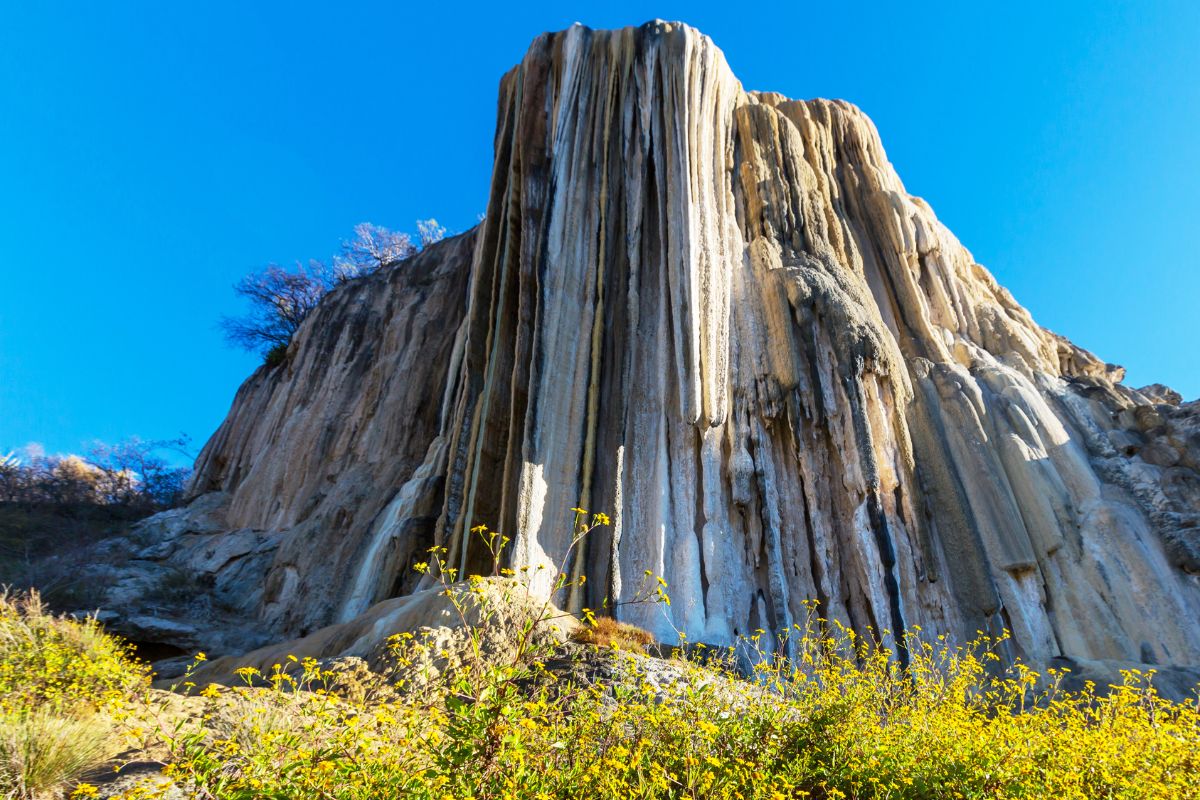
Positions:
{"x": 279, "y": 299}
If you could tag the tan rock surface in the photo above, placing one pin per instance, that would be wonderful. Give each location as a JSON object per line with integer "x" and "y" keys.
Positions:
{"x": 719, "y": 317}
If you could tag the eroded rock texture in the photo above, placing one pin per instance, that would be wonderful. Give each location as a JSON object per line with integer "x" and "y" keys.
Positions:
{"x": 338, "y": 448}
{"x": 719, "y": 317}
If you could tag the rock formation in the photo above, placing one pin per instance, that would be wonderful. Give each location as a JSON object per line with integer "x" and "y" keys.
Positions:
{"x": 718, "y": 316}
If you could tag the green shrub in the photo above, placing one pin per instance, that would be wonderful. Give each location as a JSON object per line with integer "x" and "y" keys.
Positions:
{"x": 276, "y": 355}
{"x": 61, "y": 663}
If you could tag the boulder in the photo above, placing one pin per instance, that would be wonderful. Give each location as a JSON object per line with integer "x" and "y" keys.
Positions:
{"x": 490, "y": 618}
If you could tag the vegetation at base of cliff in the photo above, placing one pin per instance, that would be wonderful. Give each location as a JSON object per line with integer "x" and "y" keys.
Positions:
{"x": 840, "y": 718}
{"x": 65, "y": 687}
{"x": 840, "y": 724}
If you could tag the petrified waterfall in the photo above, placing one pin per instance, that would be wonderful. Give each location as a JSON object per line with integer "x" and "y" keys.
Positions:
{"x": 717, "y": 316}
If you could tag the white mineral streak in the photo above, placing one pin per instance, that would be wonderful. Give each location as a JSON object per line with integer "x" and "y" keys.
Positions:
{"x": 390, "y": 545}
{"x": 798, "y": 337}
{"x": 719, "y": 317}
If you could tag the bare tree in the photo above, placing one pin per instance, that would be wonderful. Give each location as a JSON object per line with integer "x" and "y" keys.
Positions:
{"x": 136, "y": 475}
{"x": 11, "y": 477}
{"x": 62, "y": 480}
{"x": 71, "y": 480}
{"x": 280, "y": 299}
{"x": 129, "y": 473}
{"x": 372, "y": 248}
{"x": 430, "y": 232}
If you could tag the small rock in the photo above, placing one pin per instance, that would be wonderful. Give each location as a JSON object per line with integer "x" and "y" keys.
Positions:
{"x": 1160, "y": 454}
{"x": 1160, "y": 393}
{"x": 1183, "y": 548}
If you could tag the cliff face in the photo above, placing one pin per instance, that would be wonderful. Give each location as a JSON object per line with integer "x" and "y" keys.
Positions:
{"x": 717, "y": 316}
{"x": 319, "y": 449}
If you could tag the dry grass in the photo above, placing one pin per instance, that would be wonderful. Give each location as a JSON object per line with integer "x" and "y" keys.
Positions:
{"x": 42, "y": 752}
{"x": 608, "y": 632}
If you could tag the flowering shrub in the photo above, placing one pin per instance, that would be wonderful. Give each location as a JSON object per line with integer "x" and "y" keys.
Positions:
{"x": 64, "y": 664}
{"x": 64, "y": 685}
{"x": 843, "y": 721}
{"x": 841, "y": 718}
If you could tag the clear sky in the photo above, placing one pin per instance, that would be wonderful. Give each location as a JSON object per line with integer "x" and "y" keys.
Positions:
{"x": 153, "y": 153}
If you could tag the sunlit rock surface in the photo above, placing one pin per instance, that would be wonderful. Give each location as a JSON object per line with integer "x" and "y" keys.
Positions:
{"x": 718, "y": 316}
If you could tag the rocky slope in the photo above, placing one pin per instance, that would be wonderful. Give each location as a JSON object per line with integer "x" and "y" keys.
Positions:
{"x": 718, "y": 316}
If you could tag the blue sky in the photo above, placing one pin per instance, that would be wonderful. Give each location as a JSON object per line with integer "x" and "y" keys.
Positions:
{"x": 152, "y": 153}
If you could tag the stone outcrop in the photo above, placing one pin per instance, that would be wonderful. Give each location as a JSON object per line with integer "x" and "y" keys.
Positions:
{"x": 718, "y": 316}
{"x": 485, "y": 618}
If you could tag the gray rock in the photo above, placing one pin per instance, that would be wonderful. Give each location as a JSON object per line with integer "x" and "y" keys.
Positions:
{"x": 159, "y": 630}
{"x": 1126, "y": 442}
{"x": 1159, "y": 393}
{"x": 1160, "y": 453}
{"x": 142, "y": 780}
{"x": 1183, "y": 547}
